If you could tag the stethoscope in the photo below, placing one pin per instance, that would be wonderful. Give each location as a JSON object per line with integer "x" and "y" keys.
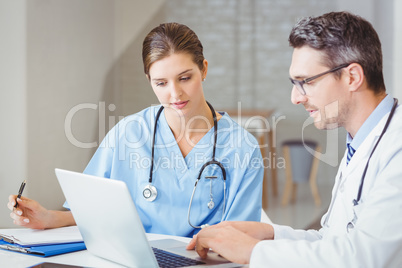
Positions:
{"x": 150, "y": 193}
{"x": 356, "y": 201}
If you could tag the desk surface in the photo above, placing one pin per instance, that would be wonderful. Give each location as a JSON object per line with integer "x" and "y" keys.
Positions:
{"x": 79, "y": 258}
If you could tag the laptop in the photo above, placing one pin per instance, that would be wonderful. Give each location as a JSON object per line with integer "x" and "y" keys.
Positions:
{"x": 112, "y": 229}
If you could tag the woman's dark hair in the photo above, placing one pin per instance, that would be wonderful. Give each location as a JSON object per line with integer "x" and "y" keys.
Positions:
{"x": 170, "y": 38}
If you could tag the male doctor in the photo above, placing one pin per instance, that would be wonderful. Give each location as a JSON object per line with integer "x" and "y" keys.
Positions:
{"x": 337, "y": 75}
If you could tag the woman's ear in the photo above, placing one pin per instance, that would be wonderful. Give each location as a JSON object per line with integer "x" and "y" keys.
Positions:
{"x": 204, "y": 69}
{"x": 355, "y": 76}
{"x": 149, "y": 78}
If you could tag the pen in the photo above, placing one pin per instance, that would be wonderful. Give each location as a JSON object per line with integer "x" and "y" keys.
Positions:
{"x": 20, "y": 192}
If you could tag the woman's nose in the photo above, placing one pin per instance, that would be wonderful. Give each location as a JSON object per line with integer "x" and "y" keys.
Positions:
{"x": 176, "y": 91}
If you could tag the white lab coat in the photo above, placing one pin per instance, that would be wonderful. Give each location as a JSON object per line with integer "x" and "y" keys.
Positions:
{"x": 376, "y": 239}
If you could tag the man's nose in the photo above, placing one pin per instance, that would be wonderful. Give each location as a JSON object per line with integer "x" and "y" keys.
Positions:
{"x": 296, "y": 97}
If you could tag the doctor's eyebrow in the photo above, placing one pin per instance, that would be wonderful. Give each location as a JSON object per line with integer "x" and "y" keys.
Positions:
{"x": 298, "y": 77}
{"x": 186, "y": 71}
{"x": 160, "y": 79}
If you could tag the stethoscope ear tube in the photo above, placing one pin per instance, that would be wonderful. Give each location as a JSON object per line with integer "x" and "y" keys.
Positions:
{"x": 189, "y": 206}
{"x": 391, "y": 114}
{"x": 153, "y": 144}
{"x": 150, "y": 193}
{"x": 351, "y": 224}
{"x": 195, "y": 187}
{"x": 212, "y": 162}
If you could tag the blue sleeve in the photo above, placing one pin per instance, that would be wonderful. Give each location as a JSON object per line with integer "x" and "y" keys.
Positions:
{"x": 247, "y": 201}
{"x": 100, "y": 163}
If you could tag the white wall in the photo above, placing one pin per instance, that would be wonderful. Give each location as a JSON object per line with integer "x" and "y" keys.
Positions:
{"x": 57, "y": 55}
{"x": 70, "y": 48}
{"x": 13, "y": 115}
{"x": 133, "y": 20}
{"x": 397, "y": 59}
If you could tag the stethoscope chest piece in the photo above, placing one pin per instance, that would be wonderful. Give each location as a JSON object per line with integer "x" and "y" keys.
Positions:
{"x": 211, "y": 204}
{"x": 150, "y": 193}
{"x": 350, "y": 226}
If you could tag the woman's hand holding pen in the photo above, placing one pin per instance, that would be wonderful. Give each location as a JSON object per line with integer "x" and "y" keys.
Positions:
{"x": 28, "y": 213}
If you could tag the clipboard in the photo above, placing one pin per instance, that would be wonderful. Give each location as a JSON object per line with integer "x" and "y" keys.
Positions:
{"x": 31, "y": 237}
{"x": 42, "y": 243}
{"x": 44, "y": 250}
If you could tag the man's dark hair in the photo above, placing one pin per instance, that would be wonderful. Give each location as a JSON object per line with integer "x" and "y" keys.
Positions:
{"x": 343, "y": 38}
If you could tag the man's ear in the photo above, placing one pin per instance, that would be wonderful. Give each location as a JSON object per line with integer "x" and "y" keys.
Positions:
{"x": 355, "y": 76}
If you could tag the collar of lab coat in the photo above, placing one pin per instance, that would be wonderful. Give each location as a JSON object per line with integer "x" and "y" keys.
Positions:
{"x": 365, "y": 148}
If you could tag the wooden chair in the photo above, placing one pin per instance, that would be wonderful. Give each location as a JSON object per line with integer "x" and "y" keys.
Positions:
{"x": 256, "y": 122}
{"x": 301, "y": 166}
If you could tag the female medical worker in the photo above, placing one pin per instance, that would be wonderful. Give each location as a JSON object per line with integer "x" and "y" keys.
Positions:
{"x": 161, "y": 169}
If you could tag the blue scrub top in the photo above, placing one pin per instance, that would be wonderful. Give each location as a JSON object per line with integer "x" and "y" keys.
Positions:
{"x": 125, "y": 154}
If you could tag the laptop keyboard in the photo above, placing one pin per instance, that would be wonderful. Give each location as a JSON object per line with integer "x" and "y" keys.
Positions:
{"x": 166, "y": 259}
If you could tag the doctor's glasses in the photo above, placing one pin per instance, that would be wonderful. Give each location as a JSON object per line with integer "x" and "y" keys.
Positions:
{"x": 299, "y": 83}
